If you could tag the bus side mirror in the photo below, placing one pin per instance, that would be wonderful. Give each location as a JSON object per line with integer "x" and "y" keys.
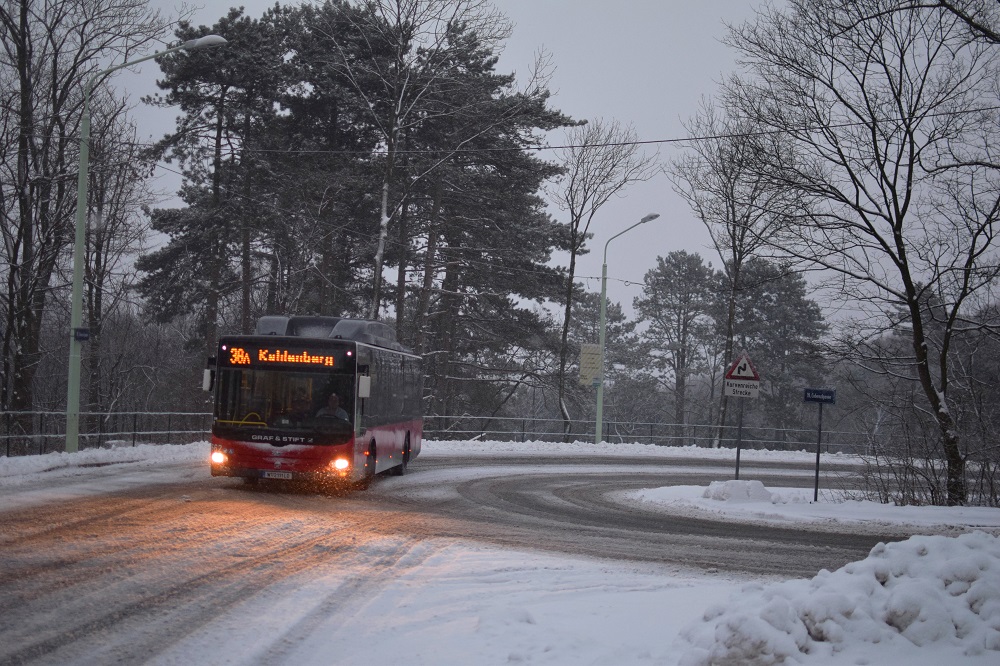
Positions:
{"x": 364, "y": 386}
{"x": 208, "y": 376}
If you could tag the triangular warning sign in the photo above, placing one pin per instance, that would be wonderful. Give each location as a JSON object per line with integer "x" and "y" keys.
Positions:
{"x": 743, "y": 369}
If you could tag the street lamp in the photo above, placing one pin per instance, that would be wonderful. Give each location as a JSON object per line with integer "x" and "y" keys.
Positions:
{"x": 77, "y": 334}
{"x": 599, "y": 425}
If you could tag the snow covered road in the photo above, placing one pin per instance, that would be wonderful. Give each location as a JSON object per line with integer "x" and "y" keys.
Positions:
{"x": 487, "y": 559}
{"x": 552, "y": 504}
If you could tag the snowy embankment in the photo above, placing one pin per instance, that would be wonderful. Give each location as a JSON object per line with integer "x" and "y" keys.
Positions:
{"x": 926, "y": 600}
{"x": 751, "y": 502}
{"x": 940, "y": 594}
{"x": 22, "y": 468}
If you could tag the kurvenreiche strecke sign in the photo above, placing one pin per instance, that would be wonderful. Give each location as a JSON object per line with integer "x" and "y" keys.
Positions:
{"x": 742, "y": 380}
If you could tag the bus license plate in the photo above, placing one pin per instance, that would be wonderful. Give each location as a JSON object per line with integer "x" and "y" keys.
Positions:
{"x": 278, "y": 475}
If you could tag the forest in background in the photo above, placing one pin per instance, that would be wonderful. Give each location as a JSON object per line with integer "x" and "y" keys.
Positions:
{"x": 366, "y": 159}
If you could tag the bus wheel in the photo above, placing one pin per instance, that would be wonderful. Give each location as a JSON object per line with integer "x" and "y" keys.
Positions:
{"x": 369, "y": 476}
{"x": 400, "y": 469}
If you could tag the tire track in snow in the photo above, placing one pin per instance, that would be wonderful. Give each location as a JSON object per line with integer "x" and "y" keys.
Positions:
{"x": 130, "y": 575}
{"x": 363, "y": 583}
{"x": 150, "y": 591}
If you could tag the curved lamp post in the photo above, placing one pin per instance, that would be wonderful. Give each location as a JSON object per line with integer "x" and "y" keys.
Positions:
{"x": 78, "y": 335}
{"x": 599, "y": 425}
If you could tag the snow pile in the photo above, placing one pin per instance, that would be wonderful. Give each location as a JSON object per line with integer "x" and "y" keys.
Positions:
{"x": 15, "y": 470}
{"x": 795, "y": 507}
{"x": 617, "y": 449}
{"x": 737, "y": 491}
{"x": 926, "y": 591}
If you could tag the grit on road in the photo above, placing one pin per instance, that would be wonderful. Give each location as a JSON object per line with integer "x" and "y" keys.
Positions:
{"x": 125, "y": 573}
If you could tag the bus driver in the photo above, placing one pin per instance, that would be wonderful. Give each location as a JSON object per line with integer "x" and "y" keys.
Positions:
{"x": 333, "y": 408}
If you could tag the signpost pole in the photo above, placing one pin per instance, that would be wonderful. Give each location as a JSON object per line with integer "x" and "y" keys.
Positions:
{"x": 819, "y": 443}
{"x": 739, "y": 438}
{"x": 821, "y": 396}
{"x": 741, "y": 382}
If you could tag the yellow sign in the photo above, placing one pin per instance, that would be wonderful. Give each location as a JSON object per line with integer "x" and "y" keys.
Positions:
{"x": 285, "y": 356}
{"x": 590, "y": 363}
{"x": 239, "y": 356}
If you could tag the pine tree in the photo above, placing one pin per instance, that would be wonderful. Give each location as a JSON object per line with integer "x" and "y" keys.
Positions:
{"x": 781, "y": 328}
{"x": 225, "y": 97}
{"x": 675, "y": 302}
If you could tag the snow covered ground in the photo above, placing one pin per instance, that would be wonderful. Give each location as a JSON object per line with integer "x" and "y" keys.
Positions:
{"x": 931, "y": 599}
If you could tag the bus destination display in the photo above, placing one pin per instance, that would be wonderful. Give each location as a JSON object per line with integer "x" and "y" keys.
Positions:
{"x": 246, "y": 356}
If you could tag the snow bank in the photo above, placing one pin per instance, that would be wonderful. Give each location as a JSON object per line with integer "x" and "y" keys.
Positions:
{"x": 14, "y": 469}
{"x": 748, "y": 501}
{"x": 589, "y": 448}
{"x": 737, "y": 491}
{"x": 924, "y": 592}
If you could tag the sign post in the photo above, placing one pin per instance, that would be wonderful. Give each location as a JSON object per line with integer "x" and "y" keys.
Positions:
{"x": 823, "y": 397}
{"x": 742, "y": 381}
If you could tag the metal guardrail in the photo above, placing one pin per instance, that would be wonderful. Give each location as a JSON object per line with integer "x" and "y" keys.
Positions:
{"x": 28, "y": 433}
{"x": 662, "y": 434}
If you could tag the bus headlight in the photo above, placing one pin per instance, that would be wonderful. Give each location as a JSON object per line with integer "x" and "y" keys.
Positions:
{"x": 340, "y": 464}
{"x": 218, "y": 457}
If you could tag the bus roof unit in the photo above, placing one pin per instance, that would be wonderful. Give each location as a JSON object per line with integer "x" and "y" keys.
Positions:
{"x": 369, "y": 332}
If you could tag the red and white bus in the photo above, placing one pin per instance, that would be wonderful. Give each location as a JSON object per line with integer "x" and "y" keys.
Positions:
{"x": 322, "y": 399}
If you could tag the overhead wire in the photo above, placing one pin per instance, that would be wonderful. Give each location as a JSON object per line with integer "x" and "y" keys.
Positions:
{"x": 512, "y": 270}
{"x": 571, "y": 146}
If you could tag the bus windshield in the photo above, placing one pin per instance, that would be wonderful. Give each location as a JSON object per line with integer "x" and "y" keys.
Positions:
{"x": 290, "y": 401}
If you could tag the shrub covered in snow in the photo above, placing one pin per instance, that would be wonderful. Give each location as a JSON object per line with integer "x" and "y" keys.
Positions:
{"x": 922, "y": 591}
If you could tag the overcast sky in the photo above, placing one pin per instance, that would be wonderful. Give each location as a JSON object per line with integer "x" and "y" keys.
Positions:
{"x": 641, "y": 62}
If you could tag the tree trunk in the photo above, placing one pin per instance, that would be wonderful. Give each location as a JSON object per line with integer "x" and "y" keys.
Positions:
{"x": 246, "y": 259}
{"x": 444, "y": 344}
{"x": 20, "y": 276}
{"x": 727, "y": 357}
{"x": 950, "y": 439}
{"x": 215, "y": 235}
{"x": 564, "y": 340}
{"x": 93, "y": 312}
{"x": 246, "y": 281}
{"x": 420, "y": 323}
{"x": 324, "y": 288}
{"x": 383, "y": 230}
{"x": 401, "y": 275}
{"x": 680, "y": 392}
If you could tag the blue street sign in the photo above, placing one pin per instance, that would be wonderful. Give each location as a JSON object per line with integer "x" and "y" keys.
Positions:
{"x": 821, "y": 395}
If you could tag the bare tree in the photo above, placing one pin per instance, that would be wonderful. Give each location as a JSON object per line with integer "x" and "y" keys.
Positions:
{"x": 118, "y": 194}
{"x": 721, "y": 179}
{"x": 48, "y": 50}
{"x": 601, "y": 159}
{"x": 885, "y": 110}
{"x": 981, "y": 16}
